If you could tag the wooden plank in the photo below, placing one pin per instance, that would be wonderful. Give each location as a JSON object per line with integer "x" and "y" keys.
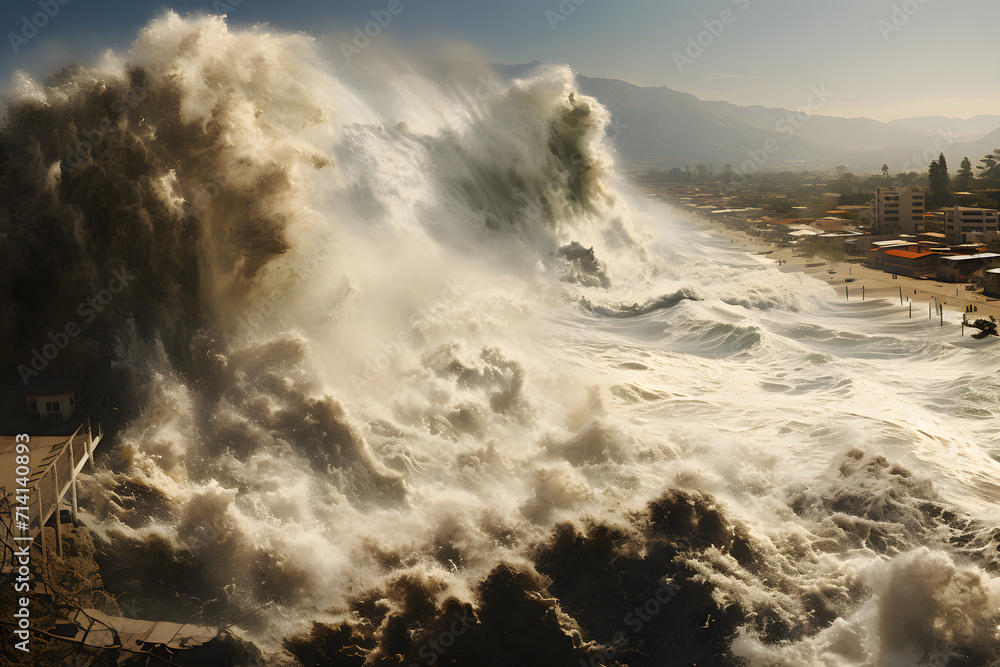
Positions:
{"x": 55, "y": 460}
{"x": 163, "y": 633}
{"x": 190, "y": 636}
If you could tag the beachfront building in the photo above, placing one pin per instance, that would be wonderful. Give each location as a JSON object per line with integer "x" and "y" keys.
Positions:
{"x": 909, "y": 263}
{"x": 61, "y": 431}
{"x": 53, "y": 397}
{"x": 933, "y": 221}
{"x": 991, "y": 283}
{"x": 897, "y": 210}
{"x": 989, "y": 241}
{"x": 962, "y": 223}
{"x": 838, "y": 240}
{"x": 860, "y": 245}
{"x": 961, "y": 268}
{"x": 932, "y": 238}
{"x": 875, "y": 257}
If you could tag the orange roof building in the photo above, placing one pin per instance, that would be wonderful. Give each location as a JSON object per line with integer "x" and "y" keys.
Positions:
{"x": 908, "y": 254}
{"x": 906, "y": 262}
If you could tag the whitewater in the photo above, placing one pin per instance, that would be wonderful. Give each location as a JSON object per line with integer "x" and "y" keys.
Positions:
{"x": 419, "y": 372}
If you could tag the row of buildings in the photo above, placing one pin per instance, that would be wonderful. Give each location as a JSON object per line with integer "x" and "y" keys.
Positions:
{"x": 902, "y": 241}
{"x": 894, "y": 233}
{"x": 904, "y": 211}
{"x": 923, "y": 255}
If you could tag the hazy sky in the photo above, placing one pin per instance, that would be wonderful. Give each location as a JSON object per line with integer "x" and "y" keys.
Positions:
{"x": 879, "y": 58}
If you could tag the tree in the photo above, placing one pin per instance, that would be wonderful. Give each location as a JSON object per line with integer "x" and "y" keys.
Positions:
{"x": 678, "y": 175}
{"x": 885, "y": 171}
{"x": 989, "y": 170}
{"x": 963, "y": 179}
{"x": 845, "y": 183}
{"x": 938, "y": 182}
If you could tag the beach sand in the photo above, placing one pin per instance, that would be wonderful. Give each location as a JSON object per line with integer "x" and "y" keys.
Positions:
{"x": 877, "y": 284}
{"x": 880, "y": 285}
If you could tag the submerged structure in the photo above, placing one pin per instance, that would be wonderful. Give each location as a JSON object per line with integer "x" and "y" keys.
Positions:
{"x": 49, "y": 431}
{"x": 986, "y": 327}
{"x": 62, "y": 429}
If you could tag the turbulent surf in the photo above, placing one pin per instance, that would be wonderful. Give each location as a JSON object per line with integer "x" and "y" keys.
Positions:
{"x": 415, "y": 374}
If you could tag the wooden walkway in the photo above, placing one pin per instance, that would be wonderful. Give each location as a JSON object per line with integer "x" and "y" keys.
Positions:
{"x": 55, "y": 462}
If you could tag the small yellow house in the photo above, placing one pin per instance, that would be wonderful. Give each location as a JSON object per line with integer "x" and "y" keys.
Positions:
{"x": 53, "y": 397}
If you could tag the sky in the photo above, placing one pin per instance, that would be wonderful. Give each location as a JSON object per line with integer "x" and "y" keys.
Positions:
{"x": 883, "y": 59}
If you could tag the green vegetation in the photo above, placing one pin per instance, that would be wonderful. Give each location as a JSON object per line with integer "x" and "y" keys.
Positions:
{"x": 939, "y": 184}
{"x": 782, "y": 192}
{"x": 964, "y": 178}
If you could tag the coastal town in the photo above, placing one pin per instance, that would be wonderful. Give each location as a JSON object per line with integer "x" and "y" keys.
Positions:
{"x": 944, "y": 242}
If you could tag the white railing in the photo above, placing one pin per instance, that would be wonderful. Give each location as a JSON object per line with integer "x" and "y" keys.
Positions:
{"x": 51, "y": 484}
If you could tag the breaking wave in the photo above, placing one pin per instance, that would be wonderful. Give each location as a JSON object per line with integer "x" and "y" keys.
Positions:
{"x": 436, "y": 387}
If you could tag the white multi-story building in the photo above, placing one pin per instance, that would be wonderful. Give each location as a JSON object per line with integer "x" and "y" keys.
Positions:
{"x": 962, "y": 223}
{"x": 898, "y": 211}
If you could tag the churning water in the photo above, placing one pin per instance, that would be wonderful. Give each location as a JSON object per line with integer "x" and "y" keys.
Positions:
{"x": 377, "y": 377}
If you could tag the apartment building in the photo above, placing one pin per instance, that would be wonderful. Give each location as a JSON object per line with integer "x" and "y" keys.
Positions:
{"x": 963, "y": 222}
{"x": 961, "y": 268}
{"x": 909, "y": 263}
{"x": 898, "y": 210}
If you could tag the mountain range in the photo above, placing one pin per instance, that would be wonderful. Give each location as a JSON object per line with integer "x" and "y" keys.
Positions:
{"x": 661, "y": 127}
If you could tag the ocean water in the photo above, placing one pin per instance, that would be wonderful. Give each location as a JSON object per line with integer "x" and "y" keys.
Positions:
{"x": 418, "y": 378}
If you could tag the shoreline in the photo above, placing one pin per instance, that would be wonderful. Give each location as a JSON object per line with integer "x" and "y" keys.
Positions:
{"x": 836, "y": 273}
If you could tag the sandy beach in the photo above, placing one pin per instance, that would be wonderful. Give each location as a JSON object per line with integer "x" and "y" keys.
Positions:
{"x": 880, "y": 285}
{"x": 859, "y": 280}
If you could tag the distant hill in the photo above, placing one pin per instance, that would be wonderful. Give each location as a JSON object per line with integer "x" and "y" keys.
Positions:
{"x": 970, "y": 129}
{"x": 918, "y": 158}
{"x": 861, "y": 133}
{"x": 669, "y": 128}
{"x": 666, "y": 128}
{"x": 974, "y": 150}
